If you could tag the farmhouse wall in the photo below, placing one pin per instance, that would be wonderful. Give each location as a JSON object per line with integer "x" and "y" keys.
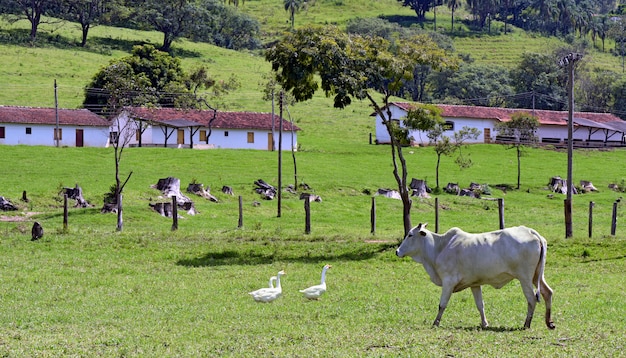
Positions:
{"x": 15, "y": 134}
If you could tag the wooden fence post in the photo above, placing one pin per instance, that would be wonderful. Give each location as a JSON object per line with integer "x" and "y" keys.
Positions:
{"x": 240, "y": 224}
{"x": 501, "y": 212}
{"x": 174, "y": 213}
{"x": 307, "y": 216}
{"x": 64, "y": 212}
{"x": 436, "y": 214}
{"x": 591, "y": 205}
{"x": 373, "y": 216}
{"x": 614, "y": 219}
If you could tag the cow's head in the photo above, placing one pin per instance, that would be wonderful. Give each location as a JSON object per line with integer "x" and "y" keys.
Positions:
{"x": 411, "y": 245}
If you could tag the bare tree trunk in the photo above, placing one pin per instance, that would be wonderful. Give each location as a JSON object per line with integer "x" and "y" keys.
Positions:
{"x": 396, "y": 154}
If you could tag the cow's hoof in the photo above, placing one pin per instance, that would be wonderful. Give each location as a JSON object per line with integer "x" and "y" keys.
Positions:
{"x": 550, "y": 325}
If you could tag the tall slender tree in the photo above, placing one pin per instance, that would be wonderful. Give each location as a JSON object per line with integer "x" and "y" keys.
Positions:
{"x": 351, "y": 66}
{"x": 522, "y": 128}
{"x": 293, "y": 7}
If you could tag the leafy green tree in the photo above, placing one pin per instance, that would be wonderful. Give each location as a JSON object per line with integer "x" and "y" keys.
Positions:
{"x": 32, "y": 10}
{"x": 150, "y": 74}
{"x": 540, "y": 75}
{"x": 173, "y": 18}
{"x": 153, "y": 77}
{"x": 421, "y": 7}
{"x": 481, "y": 85}
{"x": 87, "y": 13}
{"x": 617, "y": 32}
{"x": 453, "y": 5}
{"x": 619, "y": 95}
{"x": 351, "y": 66}
{"x": 293, "y": 7}
{"x": 226, "y": 27}
{"x": 595, "y": 90}
{"x": 442, "y": 146}
{"x": 522, "y": 129}
{"x": 460, "y": 137}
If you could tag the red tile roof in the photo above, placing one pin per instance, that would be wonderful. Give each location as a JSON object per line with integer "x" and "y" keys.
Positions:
{"x": 504, "y": 114}
{"x": 33, "y": 115}
{"x": 223, "y": 120}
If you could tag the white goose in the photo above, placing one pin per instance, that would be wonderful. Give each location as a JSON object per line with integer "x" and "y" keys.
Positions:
{"x": 314, "y": 292}
{"x": 272, "y": 281}
{"x": 269, "y": 294}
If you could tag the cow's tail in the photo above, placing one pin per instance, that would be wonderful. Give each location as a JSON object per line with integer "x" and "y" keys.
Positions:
{"x": 542, "y": 265}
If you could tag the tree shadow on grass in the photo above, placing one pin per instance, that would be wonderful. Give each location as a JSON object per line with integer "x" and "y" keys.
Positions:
{"x": 257, "y": 257}
{"x": 404, "y": 20}
{"x": 95, "y": 44}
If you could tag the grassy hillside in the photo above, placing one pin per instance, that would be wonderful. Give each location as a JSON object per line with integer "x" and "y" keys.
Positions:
{"x": 28, "y": 73}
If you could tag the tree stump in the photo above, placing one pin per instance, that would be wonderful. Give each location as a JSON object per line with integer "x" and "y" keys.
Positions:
{"x": 420, "y": 189}
{"x": 37, "y": 232}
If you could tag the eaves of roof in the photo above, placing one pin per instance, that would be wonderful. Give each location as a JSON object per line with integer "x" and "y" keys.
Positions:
{"x": 48, "y": 116}
{"x": 218, "y": 119}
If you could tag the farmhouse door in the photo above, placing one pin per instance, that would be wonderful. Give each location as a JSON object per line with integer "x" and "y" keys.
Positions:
{"x": 487, "y": 133}
{"x": 79, "y": 138}
{"x": 270, "y": 141}
{"x": 181, "y": 136}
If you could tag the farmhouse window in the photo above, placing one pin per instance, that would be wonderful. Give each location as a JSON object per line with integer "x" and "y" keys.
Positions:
{"x": 250, "y": 137}
{"x": 203, "y": 136}
{"x": 29, "y": 130}
{"x": 225, "y": 133}
{"x": 58, "y": 133}
{"x": 2, "y": 132}
{"x": 114, "y": 137}
{"x": 138, "y": 134}
{"x": 448, "y": 126}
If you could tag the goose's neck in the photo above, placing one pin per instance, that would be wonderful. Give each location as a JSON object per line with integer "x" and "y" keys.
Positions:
{"x": 323, "y": 275}
{"x": 278, "y": 281}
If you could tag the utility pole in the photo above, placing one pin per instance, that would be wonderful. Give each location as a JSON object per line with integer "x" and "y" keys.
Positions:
{"x": 280, "y": 151}
{"x": 56, "y": 113}
{"x": 569, "y": 61}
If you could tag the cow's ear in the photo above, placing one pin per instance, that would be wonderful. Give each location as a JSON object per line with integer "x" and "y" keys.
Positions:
{"x": 422, "y": 227}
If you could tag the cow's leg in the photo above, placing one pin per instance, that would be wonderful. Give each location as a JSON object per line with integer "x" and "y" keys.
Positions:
{"x": 546, "y": 292}
{"x": 478, "y": 298}
{"x": 446, "y": 292}
{"x": 529, "y": 292}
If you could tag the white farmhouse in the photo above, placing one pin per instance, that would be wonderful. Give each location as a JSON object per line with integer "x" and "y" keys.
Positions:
{"x": 187, "y": 128}
{"x": 590, "y": 129}
{"x": 52, "y": 127}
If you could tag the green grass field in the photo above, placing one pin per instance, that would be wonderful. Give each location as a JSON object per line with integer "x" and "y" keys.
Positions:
{"x": 149, "y": 291}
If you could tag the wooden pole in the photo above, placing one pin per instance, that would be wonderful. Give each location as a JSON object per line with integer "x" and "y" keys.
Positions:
{"x": 591, "y": 205}
{"x": 240, "y": 224}
{"x": 501, "y": 212}
{"x": 307, "y": 216}
{"x": 614, "y": 219}
{"x": 64, "y": 211}
{"x": 568, "y": 217}
{"x": 174, "y": 214}
{"x": 436, "y": 214}
{"x": 373, "y": 216}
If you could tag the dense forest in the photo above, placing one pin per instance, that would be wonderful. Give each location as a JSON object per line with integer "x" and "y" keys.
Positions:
{"x": 537, "y": 81}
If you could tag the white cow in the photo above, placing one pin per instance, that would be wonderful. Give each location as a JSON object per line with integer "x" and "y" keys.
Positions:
{"x": 457, "y": 260}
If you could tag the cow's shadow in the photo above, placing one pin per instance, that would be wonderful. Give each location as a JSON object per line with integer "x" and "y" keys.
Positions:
{"x": 490, "y": 329}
